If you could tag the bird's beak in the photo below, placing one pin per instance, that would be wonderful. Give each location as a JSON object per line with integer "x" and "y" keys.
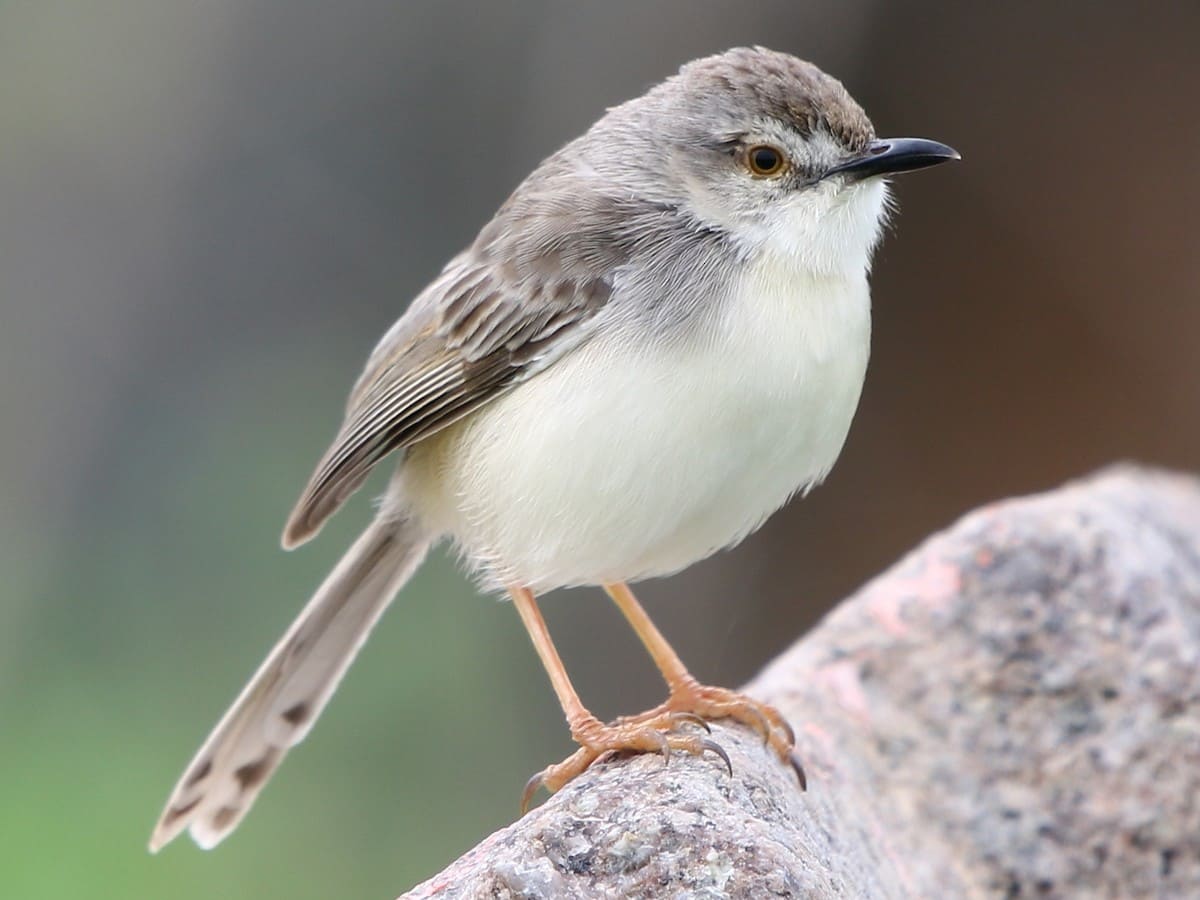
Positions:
{"x": 891, "y": 156}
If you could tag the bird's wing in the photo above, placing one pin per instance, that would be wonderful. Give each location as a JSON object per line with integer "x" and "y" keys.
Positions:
{"x": 475, "y": 331}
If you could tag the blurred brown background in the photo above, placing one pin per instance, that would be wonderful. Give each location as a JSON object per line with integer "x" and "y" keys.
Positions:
{"x": 210, "y": 211}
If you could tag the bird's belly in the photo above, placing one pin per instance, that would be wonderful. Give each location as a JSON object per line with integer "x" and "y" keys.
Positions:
{"x": 626, "y": 460}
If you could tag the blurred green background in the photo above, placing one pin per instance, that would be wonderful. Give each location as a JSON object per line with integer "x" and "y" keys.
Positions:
{"x": 209, "y": 211}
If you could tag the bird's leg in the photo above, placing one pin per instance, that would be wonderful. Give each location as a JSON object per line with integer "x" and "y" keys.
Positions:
{"x": 649, "y": 734}
{"x": 686, "y": 695}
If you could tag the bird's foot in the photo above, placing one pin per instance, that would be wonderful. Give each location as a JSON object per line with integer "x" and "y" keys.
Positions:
{"x": 657, "y": 731}
{"x": 710, "y": 703}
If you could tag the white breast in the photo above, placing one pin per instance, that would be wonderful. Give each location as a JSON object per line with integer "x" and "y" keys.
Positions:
{"x": 625, "y": 460}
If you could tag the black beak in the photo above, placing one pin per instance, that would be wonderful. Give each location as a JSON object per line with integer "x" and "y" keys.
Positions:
{"x": 891, "y": 156}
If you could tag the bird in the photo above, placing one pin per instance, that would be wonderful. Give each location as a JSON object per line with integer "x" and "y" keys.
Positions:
{"x": 658, "y": 340}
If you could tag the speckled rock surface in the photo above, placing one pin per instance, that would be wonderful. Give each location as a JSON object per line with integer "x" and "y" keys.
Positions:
{"x": 1013, "y": 710}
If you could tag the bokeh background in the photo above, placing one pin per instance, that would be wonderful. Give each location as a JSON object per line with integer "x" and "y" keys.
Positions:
{"x": 209, "y": 211}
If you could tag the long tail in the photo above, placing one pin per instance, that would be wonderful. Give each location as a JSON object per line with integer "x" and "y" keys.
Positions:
{"x": 289, "y": 690}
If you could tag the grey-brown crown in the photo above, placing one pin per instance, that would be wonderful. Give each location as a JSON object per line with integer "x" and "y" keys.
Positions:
{"x": 778, "y": 86}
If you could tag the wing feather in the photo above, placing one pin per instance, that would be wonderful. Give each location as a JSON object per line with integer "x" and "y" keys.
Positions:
{"x": 522, "y": 295}
{"x": 469, "y": 337}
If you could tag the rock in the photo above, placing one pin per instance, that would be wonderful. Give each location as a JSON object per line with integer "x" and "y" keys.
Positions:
{"x": 1013, "y": 710}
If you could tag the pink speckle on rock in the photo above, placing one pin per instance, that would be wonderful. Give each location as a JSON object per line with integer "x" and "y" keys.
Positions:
{"x": 928, "y": 582}
{"x": 845, "y": 686}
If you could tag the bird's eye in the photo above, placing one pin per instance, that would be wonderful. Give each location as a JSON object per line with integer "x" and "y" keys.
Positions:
{"x": 765, "y": 160}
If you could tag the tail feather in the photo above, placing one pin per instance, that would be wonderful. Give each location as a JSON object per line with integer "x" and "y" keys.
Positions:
{"x": 287, "y": 693}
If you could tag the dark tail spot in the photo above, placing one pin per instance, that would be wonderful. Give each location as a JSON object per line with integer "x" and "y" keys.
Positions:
{"x": 224, "y": 817}
{"x": 199, "y": 773}
{"x": 175, "y": 813}
{"x": 252, "y": 774}
{"x": 296, "y": 714}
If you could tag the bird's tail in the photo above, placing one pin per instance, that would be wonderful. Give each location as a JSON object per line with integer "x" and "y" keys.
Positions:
{"x": 289, "y": 690}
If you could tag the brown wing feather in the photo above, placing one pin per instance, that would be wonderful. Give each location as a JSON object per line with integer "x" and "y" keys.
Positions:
{"x": 472, "y": 334}
{"x": 510, "y": 305}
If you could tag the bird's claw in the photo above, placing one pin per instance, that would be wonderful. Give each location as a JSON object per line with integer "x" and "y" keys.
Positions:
{"x": 680, "y": 716}
{"x": 531, "y": 788}
{"x": 659, "y": 731}
{"x": 798, "y": 768}
{"x": 716, "y": 748}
